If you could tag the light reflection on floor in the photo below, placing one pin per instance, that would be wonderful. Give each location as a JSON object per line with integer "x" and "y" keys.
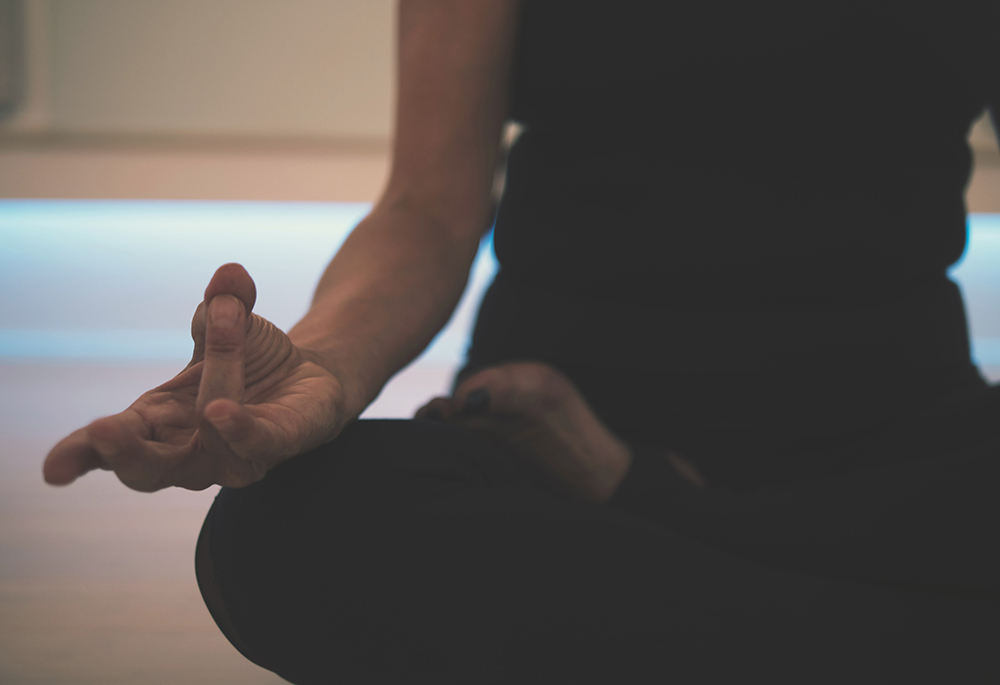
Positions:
{"x": 96, "y": 581}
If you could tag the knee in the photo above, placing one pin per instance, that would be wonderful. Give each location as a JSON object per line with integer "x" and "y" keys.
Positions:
{"x": 211, "y": 592}
{"x": 376, "y": 461}
{"x": 376, "y": 474}
{"x": 320, "y": 523}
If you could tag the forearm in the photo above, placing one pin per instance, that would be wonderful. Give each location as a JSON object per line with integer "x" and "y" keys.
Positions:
{"x": 388, "y": 291}
{"x": 400, "y": 273}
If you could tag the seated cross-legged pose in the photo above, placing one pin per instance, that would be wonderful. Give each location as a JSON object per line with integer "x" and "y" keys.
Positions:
{"x": 718, "y": 420}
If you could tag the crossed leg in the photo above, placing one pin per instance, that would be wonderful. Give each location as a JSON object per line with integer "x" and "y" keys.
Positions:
{"x": 410, "y": 551}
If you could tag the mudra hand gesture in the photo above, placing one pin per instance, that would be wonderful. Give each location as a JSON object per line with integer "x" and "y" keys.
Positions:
{"x": 248, "y": 400}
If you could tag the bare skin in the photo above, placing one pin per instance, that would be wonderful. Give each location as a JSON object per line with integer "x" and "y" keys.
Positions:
{"x": 253, "y": 395}
{"x": 248, "y": 399}
{"x": 538, "y": 411}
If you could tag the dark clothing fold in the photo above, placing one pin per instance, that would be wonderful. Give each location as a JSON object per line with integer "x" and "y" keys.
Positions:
{"x": 410, "y": 551}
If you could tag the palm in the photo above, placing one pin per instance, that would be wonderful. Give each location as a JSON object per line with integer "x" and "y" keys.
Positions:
{"x": 264, "y": 403}
{"x": 188, "y": 452}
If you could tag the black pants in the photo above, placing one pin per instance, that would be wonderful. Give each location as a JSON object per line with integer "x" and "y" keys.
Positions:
{"x": 411, "y": 551}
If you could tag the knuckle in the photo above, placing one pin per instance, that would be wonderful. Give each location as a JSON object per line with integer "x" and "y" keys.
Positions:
{"x": 223, "y": 346}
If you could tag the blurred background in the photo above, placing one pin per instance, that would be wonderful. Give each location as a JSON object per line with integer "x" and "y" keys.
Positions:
{"x": 142, "y": 144}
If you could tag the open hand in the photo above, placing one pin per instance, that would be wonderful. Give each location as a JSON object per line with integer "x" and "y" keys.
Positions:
{"x": 248, "y": 400}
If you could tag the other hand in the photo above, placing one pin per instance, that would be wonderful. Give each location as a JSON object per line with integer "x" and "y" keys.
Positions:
{"x": 538, "y": 411}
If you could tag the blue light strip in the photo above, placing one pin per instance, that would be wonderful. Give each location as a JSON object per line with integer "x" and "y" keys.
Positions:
{"x": 121, "y": 344}
{"x": 108, "y": 280}
{"x": 116, "y": 281}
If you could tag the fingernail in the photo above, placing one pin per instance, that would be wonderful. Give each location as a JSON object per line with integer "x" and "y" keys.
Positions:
{"x": 476, "y": 402}
{"x": 224, "y": 311}
{"x": 434, "y": 414}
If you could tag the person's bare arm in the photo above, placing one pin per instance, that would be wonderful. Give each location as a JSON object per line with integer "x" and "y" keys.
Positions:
{"x": 399, "y": 275}
{"x": 253, "y": 396}
{"x": 994, "y": 110}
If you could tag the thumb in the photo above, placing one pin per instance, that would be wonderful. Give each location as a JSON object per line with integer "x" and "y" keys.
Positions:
{"x": 225, "y": 351}
{"x": 229, "y": 279}
{"x": 229, "y": 298}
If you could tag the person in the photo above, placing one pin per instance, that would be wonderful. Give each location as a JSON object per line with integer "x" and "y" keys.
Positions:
{"x": 718, "y": 419}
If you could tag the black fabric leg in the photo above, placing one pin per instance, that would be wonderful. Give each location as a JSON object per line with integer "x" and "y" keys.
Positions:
{"x": 918, "y": 507}
{"x": 411, "y": 551}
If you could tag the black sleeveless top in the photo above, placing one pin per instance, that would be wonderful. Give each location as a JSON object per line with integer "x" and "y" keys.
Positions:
{"x": 735, "y": 218}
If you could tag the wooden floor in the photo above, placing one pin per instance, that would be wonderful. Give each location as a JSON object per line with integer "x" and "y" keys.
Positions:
{"x": 97, "y": 581}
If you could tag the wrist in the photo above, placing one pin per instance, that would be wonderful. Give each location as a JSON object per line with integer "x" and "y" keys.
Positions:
{"x": 354, "y": 393}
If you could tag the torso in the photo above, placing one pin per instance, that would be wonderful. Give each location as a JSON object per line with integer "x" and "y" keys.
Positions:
{"x": 743, "y": 170}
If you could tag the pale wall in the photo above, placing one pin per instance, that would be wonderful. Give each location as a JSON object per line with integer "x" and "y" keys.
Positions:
{"x": 139, "y": 94}
{"x": 276, "y": 68}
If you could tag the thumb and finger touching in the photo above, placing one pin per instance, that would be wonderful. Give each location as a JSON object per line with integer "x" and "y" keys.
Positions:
{"x": 229, "y": 299}
{"x": 116, "y": 442}
{"x": 225, "y": 313}
{"x": 225, "y": 320}
{"x": 225, "y": 351}
{"x": 229, "y": 279}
